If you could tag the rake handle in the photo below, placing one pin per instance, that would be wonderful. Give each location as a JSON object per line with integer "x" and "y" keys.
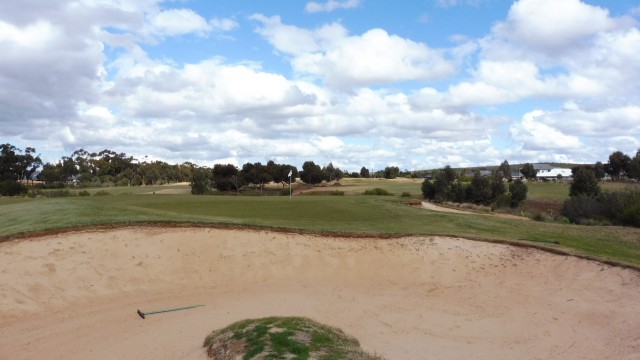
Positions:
{"x": 143, "y": 314}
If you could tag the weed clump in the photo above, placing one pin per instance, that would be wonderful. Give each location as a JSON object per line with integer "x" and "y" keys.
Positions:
{"x": 283, "y": 338}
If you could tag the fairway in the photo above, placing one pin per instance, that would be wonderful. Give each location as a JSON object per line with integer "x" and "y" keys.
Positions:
{"x": 75, "y": 295}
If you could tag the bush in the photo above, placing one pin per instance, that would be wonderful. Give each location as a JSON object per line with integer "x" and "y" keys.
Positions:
{"x": 12, "y": 188}
{"x": 58, "y": 193}
{"x": 101, "y": 193}
{"x": 503, "y": 201}
{"x": 620, "y": 207}
{"x": 84, "y": 193}
{"x": 518, "y": 191}
{"x": 428, "y": 190}
{"x": 405, "y": 195}
{"x": 631, "y": 216}
{"x": 377, "y": 191}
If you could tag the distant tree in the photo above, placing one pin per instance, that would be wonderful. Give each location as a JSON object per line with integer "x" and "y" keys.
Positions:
{"x": 332, "y": 173}
{"x": 584, "y": 183}
{"x": 599, "y": 170}
{"x": 11, "y": 169}
{"x": 618, "y": 164}
{"x": 505, "y": 170}
{"x": 497, "y": 187}
{"x": 528, "y": 171}
{"x": 311, "y": 173}
{"x": 364, "y": 172}
{"x": 428, "y": 190}
{"x": 51, "y": 174}
{"x": 224, "y": 176}
{"x": 480, "y": 190}
{"x": 518, "y": 191}
{"x": 200, "y": 181}
{"x": 634, "y": 166}
{"x": 449, "y": 174}
{"x": 391, "y": 172}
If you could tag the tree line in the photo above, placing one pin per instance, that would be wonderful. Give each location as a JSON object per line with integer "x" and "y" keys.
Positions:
{"x": 448, "y": 185}
{"x": 109, "y": 168}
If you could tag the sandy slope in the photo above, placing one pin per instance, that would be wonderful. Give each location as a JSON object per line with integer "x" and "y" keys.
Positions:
{"x": 74, "y": 296}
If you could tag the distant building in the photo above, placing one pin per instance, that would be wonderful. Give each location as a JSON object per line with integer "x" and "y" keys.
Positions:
{"x": 554, "y": 174}
{"x": 517, "y": 175}
{"x": 538, "y": 167}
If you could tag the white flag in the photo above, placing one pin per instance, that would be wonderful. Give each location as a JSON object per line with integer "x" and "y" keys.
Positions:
{"x": 290, "y": 172}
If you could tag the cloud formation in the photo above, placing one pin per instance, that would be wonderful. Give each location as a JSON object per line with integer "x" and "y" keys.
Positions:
{"x": 331, "y": 5}
{"x": 539, "y": 85}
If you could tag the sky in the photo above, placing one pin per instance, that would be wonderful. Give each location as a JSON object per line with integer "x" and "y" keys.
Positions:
{"x": 417, "y": 84}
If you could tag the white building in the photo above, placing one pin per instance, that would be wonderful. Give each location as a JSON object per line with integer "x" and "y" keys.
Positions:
{"x": 554, "y": 174}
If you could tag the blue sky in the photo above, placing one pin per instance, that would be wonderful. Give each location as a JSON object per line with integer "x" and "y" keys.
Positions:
{"x": 414, "y": 84}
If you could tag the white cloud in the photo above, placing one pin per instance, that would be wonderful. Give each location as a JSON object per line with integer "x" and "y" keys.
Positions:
{"x": 293, "y": 40}
{"x": 32, "y": 36}
{"x": 373, "y": 58}
{"x": 534, "y": 134}
{"x": 174, "y": 22}
{"x": 342, "y": 61}
{"x": 551, "y": 25}
{"x": 331, "y": 5}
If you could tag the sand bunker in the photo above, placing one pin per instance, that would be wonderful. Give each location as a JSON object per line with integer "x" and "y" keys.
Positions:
{"x": 75, "y": 295}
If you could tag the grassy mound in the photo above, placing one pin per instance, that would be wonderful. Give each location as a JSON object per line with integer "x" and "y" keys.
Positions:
{"x": 283, "y": 338}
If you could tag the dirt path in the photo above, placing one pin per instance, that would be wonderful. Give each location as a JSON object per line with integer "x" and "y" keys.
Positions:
{"x": 431, "y": 206}
{"x": 75, "y": 295}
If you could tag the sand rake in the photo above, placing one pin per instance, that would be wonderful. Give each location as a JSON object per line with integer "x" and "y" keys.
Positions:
{"x": 144, "y": 314}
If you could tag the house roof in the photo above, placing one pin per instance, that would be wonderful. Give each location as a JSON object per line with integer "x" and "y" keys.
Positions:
{"x": 538, "y": 167}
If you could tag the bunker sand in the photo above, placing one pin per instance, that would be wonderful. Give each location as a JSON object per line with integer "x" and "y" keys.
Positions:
{"x": 75, "y": 295}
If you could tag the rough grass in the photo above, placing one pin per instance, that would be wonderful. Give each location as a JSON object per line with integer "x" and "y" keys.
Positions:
{"x": 283, "y": 338}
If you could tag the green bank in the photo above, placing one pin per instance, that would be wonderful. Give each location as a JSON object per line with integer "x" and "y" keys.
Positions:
{"x": 354, "y": 215}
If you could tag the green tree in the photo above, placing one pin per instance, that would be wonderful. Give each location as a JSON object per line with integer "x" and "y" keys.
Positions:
{"x": 505, "y": 170}
{"x": 391, "y": 172}
{"x": 332, "y": 173}
{"x": 634, "y": 166}
{"x": 364, "y": 172}
{"x": 225, "y": 176}
{"x": 584, "y": 183}
{"x": 528, "y": 171}
{"x": 497, "y": 187}
{"x": 51, "y": 174}
{"x": 618, "y": 164}
{"x": 518, "y": 191}
{"x": 311, "y": 173}
{"x": 599, "y": 170}
{"x": 200, "y": 181}
{"x": 480, "y": 190}
{"x": 12, "y": 167}
{"x": 428, "y": 189}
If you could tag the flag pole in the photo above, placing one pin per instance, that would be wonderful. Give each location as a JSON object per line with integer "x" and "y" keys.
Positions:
{"x": 290, "y": 172}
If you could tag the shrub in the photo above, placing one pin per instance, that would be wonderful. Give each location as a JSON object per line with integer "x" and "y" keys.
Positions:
{"x": 631, "y": 216}
{"x": 11, "y": 188}
{"x": 101, "y": 193}
{"x": 84, "y": 193}
{"x": 620, "y": 207}
{"x": 518, "y": 191}
{"x": 428, "y": 190}
{"x": 405, "y": 195}
{"x": 377, "y": 191}
{"x": 503, "y": 201}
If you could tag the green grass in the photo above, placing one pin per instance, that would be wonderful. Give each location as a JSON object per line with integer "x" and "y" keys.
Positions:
{"x": 284, "y": 338}
{"x": 360, "y": 215}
